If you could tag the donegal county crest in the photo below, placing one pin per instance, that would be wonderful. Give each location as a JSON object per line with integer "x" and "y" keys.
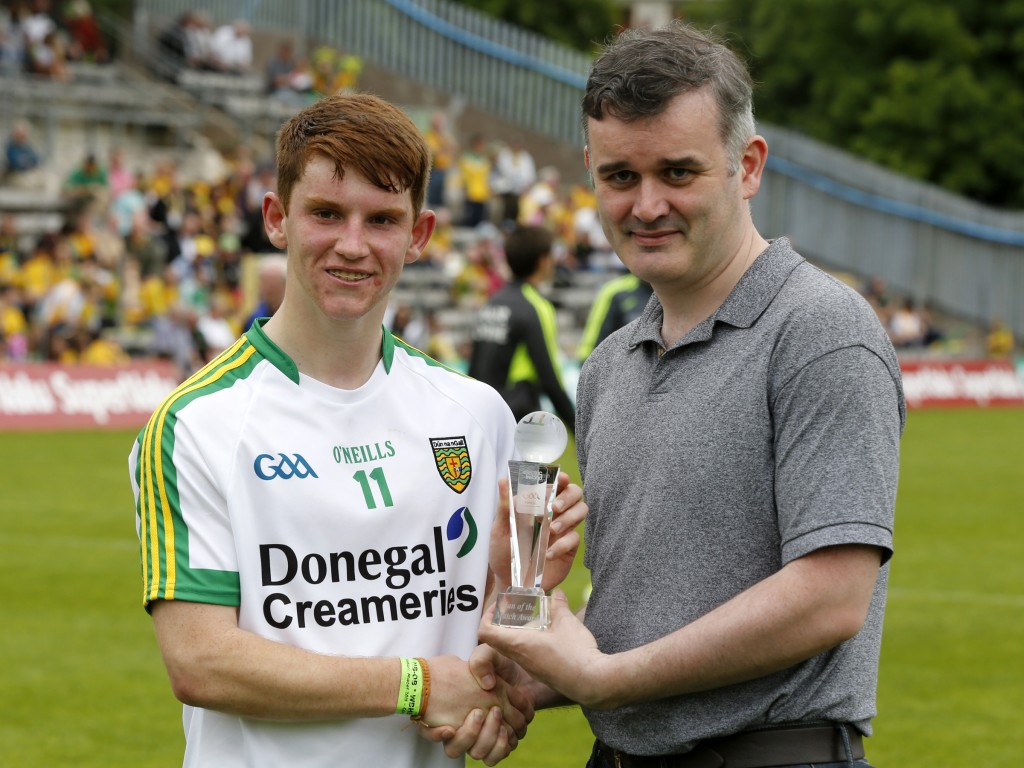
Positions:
{"x": 451, "y": 455}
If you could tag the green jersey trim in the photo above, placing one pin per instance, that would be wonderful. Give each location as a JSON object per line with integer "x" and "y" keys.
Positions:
{"x": 272, "y": 353}
{"x": 162, "y": 530}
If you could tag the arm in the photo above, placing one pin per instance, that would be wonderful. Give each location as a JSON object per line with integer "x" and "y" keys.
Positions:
{"x": 812, "y": 604}
{"x": 214, "y": 664}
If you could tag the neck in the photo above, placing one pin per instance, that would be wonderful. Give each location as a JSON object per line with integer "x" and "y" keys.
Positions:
{"x": 343, "y": 355}
{"x": 686, "y": 308}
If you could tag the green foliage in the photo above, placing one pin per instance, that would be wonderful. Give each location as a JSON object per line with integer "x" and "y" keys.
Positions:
{"x": 83, "y": 683}
{"x": 580, "y": 24}
{"x": 930, "y": 88}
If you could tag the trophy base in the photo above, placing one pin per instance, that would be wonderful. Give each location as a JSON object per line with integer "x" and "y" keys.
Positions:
{"x": 522, "y": 609}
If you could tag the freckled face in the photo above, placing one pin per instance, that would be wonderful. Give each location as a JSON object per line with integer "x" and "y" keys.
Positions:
{"x": 347, "y": 241}
{"x": 667, "y": 202}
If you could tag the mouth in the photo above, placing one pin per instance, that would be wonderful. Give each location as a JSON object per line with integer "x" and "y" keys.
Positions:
{"x": 653, "y": 238}
{"x": 342, "y": 274}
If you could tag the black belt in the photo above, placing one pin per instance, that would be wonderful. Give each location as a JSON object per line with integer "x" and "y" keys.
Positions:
{"x": 786, "y": 745}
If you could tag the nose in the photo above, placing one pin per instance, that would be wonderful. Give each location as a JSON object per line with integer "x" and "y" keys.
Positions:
{"x": 650, "y": 203}
{"x": 351, "y": 242}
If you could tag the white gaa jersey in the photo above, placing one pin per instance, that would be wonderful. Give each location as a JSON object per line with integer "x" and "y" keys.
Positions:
{"x": 351, "y": 523}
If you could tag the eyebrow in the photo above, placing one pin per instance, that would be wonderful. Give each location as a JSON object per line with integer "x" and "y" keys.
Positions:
{"x": 323, "y": 202}
{"x": 687, "y": 161}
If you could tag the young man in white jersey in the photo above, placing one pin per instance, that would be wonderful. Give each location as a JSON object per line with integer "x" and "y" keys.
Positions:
{"x": 315, "y": 506}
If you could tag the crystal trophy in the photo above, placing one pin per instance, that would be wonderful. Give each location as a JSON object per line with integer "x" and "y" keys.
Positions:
{"x": 540, "y": 440}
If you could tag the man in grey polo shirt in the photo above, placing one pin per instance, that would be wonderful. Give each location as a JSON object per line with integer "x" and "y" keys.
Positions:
{"x": 739, "y": 449}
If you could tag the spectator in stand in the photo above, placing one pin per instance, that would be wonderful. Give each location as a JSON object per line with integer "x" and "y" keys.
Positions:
{"x": 119, "y": 176}
{"x": 14, "y": 327}
{"x": 87, "y": 43}
{"x": 87, "y": 184}
{"x": 479, "y": 274}
{"x": 907, "y": 326}
{"x": 172, "y": 39}
{"x": 288, "y": 78}
{"x": 475, "y": 173}
{"x": 13, "y": 52}
{"x": 273, "y": 270}
{"x": 196, "y": 40}
{"x": 999, "y": 342}
{"x": 591, "y": 247}
{"x": 49, "y": 57}
{"x": 443, "y": 151}
{"x": 540, "y": 202}
{"x": 38, "y": 22}
{"x": 231, "y": 48}
{"x": 514, "y": 173}
{"x": 24, "y": 165}
{"x": 98, "y": 348}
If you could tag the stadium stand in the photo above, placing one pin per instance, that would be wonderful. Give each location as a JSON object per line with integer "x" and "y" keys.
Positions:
{"x": 165, "y": 264}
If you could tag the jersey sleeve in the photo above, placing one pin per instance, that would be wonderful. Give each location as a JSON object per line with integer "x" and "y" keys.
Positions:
{"x": 182, "y": 518}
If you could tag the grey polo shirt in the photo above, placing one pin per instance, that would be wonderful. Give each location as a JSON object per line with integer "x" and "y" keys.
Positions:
{"x": 769, "y": 431}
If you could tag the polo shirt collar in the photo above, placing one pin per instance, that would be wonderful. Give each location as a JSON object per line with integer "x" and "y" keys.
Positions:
{"x": 756, "y": 289}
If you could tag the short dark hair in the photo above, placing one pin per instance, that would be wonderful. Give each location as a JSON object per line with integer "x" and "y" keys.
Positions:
{"x": 525, "y": 247}
{"x": 642, "y": 70}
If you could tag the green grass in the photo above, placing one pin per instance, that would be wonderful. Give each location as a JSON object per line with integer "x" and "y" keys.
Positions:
{"x": 83, "y": 684}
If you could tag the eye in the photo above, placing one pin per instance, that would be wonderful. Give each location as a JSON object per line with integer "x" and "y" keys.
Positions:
{"x": 325, "y": 214}
{"x": 678, "y": 174}
{"x": 620, "y": 178}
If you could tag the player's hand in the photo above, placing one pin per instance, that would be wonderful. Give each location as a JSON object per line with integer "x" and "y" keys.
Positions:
{"x": 455, "y": 694}
{"x": 484, "y": 734}
{"x": 568, "y": 511}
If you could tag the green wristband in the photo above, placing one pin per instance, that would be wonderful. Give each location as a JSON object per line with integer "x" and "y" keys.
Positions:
{"x": 410, "y": 688}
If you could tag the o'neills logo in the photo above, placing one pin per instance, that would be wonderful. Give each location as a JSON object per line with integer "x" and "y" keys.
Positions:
{"x": 393, "y": 568}
{"x": 451, "y": 455}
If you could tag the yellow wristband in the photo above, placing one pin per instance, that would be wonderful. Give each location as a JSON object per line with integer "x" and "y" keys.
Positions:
{"x": 410, "y": 688}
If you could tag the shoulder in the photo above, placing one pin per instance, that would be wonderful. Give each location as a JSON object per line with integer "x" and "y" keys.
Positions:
{"x": 434, "y": 379}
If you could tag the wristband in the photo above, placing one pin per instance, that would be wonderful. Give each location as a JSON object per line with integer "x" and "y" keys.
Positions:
{"x": 410, "y": 688}
{"x": 426, "y": 689}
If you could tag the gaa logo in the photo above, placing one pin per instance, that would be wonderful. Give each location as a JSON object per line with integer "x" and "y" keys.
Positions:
{"x": 268, "y": 467}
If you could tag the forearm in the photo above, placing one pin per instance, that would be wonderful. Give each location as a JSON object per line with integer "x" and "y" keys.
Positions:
{"x": 216, "y": 665}
{"x": 806, "y": 608}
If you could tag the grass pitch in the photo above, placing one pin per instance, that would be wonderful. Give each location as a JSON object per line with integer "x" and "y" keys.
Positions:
{"x": 83, "y": 684}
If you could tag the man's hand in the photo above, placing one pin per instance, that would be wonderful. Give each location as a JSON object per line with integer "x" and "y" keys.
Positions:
{"x": 564, "y": 657}
{"x": 568, "y": 511}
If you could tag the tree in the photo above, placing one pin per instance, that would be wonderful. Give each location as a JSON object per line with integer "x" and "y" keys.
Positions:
{"x": 930, "y": 88}
{"x": 580, "y": 24}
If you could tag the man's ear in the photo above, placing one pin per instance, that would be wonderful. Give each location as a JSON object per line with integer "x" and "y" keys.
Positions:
{"x": 752, "y": 166}
{"x": 273, "y": 220}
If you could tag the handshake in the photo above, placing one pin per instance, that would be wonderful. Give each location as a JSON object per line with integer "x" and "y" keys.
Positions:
{"x": 481, "y": 708}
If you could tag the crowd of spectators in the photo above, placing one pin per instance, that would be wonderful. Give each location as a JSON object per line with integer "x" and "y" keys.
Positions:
{"x": 149, "y": 263}
{"x": 39, "y": 38}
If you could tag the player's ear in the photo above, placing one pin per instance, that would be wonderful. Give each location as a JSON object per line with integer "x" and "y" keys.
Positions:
{"x": 274, "y": 217}
{"x": 421, "y": 232}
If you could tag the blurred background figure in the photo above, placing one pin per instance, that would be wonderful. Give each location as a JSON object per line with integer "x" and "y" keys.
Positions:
{"x": 514, "y": 173}
{"x": 273, "y": 271}
{"x": 443, "y": 151}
